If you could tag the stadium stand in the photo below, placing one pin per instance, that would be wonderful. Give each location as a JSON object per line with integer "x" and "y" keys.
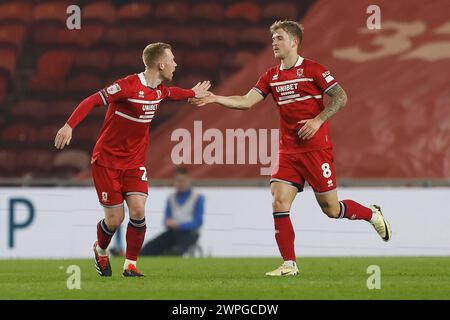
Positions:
{"x": 46, "y": 69}
{"x": 394, "y": 126}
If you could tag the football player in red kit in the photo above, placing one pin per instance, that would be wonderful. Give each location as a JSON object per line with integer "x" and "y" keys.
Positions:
{"x": 305, "y": 151}
{"x": 118, "y": 159}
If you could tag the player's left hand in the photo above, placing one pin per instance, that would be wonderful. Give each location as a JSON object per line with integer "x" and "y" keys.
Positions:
{"x": 201, "y": 89}
{"x": 310, "y": 127}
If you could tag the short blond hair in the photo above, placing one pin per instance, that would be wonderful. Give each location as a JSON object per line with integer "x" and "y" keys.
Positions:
{"x": 292, "y": 28}
{"x": 153, "y": 52}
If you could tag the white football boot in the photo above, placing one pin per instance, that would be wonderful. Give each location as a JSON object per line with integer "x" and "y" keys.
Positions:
{"x": 380, "y": 224}
{"x": 288, "y": 268}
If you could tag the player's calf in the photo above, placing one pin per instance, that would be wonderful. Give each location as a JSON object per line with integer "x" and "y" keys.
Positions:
{"x": 332, "y": 210}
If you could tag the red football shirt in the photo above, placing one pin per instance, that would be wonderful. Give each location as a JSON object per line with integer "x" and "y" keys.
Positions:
{"x": 132, "y": 104}
{"x": 298, "y": 92}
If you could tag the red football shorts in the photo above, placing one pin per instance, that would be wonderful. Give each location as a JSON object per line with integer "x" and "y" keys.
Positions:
{"x": 315, "y": 167}
{"x": 113, "y": 184}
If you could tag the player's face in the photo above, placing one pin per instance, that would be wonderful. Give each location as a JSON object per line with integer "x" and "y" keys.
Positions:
{"x": 182, "y": 182}
{"x": 282, "y": 44}
{"x": 169, "y": 65}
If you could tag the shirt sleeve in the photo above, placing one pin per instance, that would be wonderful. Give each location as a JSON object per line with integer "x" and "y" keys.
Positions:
{"x": 115, "y": 92}
{"x": 83, "y": 109}
{"x": 323, "y": 78}
{"x": 176, "y": 93}
{"x": 262, "y": 86}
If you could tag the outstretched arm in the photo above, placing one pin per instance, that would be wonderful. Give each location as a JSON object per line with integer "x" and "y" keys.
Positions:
{"x": 198, "y": 91}
{"x": 64, "y": 134}
{"x": 232, "y": 102}
{"x": 337, "y": 101}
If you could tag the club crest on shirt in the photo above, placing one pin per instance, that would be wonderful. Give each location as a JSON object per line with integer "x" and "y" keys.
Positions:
{"x": 112, "y": 89}
{"x": 299, "y": 72}
{"x": 141, "y": 94}
{"x": 158, "y": 94}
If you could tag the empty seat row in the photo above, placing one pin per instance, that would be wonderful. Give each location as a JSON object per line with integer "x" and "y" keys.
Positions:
{"x": 165, "y": 11}
{"x": 62, "y": 71}
{"x": 95, "y": 36}
{"x": 43, "y": 162}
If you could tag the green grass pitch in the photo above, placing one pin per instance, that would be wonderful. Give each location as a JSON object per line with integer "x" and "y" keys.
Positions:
{"x": 230, "y": 278}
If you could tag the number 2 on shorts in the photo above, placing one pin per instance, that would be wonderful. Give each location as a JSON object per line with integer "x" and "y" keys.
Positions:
{"x": 144, "y": 175}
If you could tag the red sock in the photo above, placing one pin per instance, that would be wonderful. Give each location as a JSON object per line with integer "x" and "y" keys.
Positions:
{"x": 354, "y": 211}
{"x": 285, "y": 235}
{"x": 135, "y": 238}
{"x": 104, "y": 235}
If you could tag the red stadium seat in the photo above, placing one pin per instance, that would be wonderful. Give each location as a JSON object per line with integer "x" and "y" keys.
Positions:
{"x": 62, "y": 108}
{"x": 133, "y": 13}
{"x": 51, "y": 11}
{"x": 102, "y": 11}
{"x": 68, "y": 163}
{"x": 175, "y": 12}
{"x": 84, "y": 84}
{"x": 139, "y": 36}
{"x": 202, "y": 60}
{"x": 21, "y": 133}
{"x": 211, "y": 13}
{"x": 56, "y": 36}
{"x": 89, "y": 34}
{"x": 47, "y": 133}
{"x": 254, "y": 38}
{"x": 190, "y": 80}
{"x": 219, "y": 37}
{"x": 29, "y": 109}
{"x": 12, "y": 36}
{"x": 3, "y": 88}
{"x": 183, "y": 37}
{"x": 279, "y": 11}
{"x": 17, "y": 12}
{"x": 7, "y": 163}
{"x": 52, "y": 69}
{"x": 115, "y": 37}
{"x": 128, "y": 61}
{"x": 46, "y": 34}
{"x": 54, "y": 65}
{"x": 8, "y": 61}
{"x": 236, "y": 60}
{"x": 92, "y": 60}
{"x": 34, "y": 162}
{"x": 75, "y": 158}
{"x": 246, "y": 12}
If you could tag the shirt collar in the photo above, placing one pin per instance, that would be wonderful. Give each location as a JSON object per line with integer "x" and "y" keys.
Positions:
{"x": 298, "y": 63}
{"x": 142, "y": 78}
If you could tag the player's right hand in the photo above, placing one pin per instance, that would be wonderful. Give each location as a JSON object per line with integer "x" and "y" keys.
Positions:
{"x": 205, "y": 100}
{"x": 63, "y": 137}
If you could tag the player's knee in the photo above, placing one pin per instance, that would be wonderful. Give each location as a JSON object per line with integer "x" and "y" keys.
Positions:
{"x": 114, "y": 222}
{"x": 280, "y": 204}
{"x": 137, "y": 212}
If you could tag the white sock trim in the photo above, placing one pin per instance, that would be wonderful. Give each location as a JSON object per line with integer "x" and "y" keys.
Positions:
{"x": 128, "y": 262}
{"x": 291, "y": 263}
{"x": 101, "y": 252}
